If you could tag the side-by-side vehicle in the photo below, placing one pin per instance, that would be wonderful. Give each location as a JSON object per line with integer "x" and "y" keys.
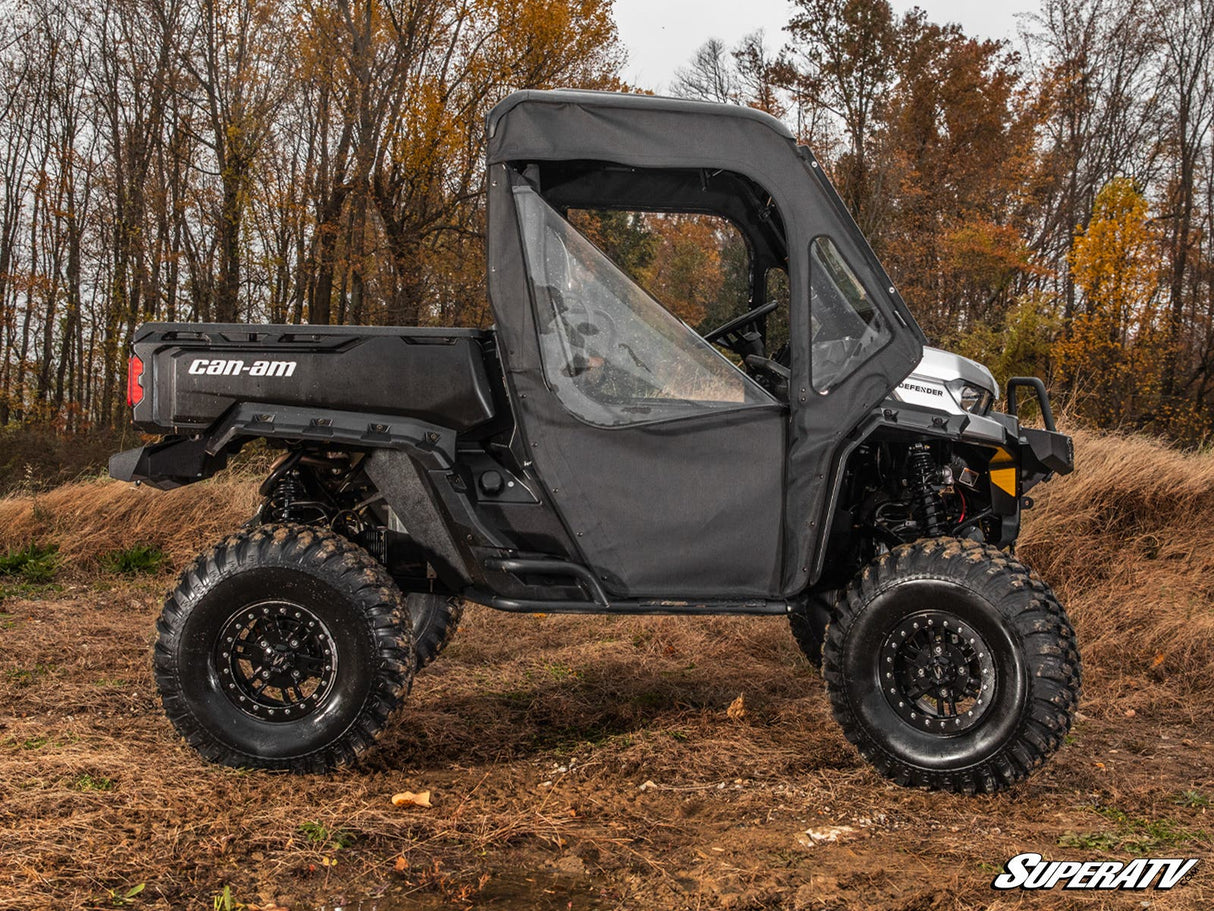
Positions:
{"x": 593, "y": 453}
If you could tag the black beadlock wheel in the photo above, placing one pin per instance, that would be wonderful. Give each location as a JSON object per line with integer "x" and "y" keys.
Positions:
{"x": 284, "y": 647}
{"x": 951, "y": 666}
{"x": 435, "y": 619}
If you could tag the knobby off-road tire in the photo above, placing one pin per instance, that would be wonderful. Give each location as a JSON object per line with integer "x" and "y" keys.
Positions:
{"x": 951, "y": 666}
{"x": 285, "y": 647}
{"x": 808, "y": 622}
{"x": 435, "y": 619}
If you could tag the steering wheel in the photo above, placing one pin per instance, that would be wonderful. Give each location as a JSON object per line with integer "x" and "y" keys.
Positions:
{"x": 729, "y": 334}
{"x": 772, "y": 375}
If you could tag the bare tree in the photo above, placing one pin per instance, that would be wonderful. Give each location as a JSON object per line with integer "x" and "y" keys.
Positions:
{"x": 710, "y": 75}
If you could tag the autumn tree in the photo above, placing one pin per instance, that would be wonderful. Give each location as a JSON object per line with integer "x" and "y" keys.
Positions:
{"x": 1095, "y": 109}
{"x": 956, "y": 151}
{"x": 1114, "y": 356}
{"x": 239, "y": 53}
{"x": 843, "y": 54}
{"x": 1186, "y": 34}
{"x": 686, "y": 271}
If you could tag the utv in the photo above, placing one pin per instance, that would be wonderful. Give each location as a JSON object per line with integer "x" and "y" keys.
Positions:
{"x": 593, "y": 454}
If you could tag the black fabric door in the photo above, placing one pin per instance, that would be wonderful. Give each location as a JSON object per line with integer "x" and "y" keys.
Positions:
{"x": 665, "y": 461}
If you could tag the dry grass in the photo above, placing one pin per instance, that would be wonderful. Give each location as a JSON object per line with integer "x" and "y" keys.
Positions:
{"x": 592, "y": 763}
{"x": 89, "y": 518}
{"x": 1127, "y": 541}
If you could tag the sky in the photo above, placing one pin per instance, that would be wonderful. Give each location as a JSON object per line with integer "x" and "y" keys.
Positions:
{"x": 661, "y": 35}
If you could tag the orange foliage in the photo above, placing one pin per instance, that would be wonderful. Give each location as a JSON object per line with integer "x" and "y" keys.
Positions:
{"x": 685, "y": 274}
{"x": 1113, "y": 355}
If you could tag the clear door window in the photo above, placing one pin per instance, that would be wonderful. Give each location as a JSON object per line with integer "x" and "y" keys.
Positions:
{"x": 612, "y": 353}
{"x": 847, "y": 328}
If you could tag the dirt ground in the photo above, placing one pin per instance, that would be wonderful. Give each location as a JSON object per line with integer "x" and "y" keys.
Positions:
{"x": 574, "y": 764}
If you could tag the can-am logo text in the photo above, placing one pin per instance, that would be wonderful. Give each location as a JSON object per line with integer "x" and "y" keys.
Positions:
{"x": 1032, "y": 871}
{"x": 220, "y": 367}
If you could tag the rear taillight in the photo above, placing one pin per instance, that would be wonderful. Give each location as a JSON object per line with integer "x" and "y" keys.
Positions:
{"x": 134, "y": 382}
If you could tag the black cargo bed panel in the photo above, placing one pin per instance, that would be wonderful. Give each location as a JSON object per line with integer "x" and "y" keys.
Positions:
{"x": 193, "y": 373}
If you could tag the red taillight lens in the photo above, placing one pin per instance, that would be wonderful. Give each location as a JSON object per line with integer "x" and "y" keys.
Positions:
{"x": 134, "y": 382}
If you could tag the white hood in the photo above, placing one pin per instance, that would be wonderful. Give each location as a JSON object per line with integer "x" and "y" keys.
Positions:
{"x": 937, "y": 380}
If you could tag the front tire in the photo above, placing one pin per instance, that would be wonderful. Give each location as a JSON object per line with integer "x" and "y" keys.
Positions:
{"x": 951, "y": 666}
{"x": 284, "y": 647}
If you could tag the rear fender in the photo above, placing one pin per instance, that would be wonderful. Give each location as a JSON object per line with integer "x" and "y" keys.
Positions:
{"x": 184, "y": 460}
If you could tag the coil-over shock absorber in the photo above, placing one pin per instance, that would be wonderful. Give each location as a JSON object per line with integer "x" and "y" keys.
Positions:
{"x": 920, "y": 477}
{"x": 287, "y": 491}
{"x": 289, "y": 500}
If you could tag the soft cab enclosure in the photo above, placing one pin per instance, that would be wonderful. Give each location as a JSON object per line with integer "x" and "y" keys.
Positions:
{"x": 741, "y": 508}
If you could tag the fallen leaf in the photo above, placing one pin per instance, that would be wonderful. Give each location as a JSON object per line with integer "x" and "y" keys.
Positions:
{"x": 402, "y": 864}
{"x": 737, "y": 709}
{"x": 409, "y": 799}
{"x": 826, "y": 835}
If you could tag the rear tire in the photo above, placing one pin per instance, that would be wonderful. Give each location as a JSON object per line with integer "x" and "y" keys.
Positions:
{"x": 435, "y": 620}
{"x": 284, "y": 647}
{"x": 809, "y": 621}
{"x": 951, "y": 666}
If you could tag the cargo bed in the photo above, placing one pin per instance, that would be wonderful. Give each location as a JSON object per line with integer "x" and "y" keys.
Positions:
{"x": 186, "y": 376}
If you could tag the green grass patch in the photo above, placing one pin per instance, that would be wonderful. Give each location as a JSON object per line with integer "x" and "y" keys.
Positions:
{"x": 226, "y": 901}
{"x": 88, "y": 782}
{"x": 27, "y": 676}
{"x": 1131, "y": 833}
{"x": 33, "y": 564}
{"x": 325, "y": 838}
{"x": 1193, "y": 799}
{"x": 140, "y": 560}
{"x": 28, "y": 590}
{"x": 39, "y": 741}
{"x": 561, "y": 672}
{"x": 121, "y": 897}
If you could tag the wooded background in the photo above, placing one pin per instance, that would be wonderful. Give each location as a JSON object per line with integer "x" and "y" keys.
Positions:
{"x": 1046, "y": 205}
